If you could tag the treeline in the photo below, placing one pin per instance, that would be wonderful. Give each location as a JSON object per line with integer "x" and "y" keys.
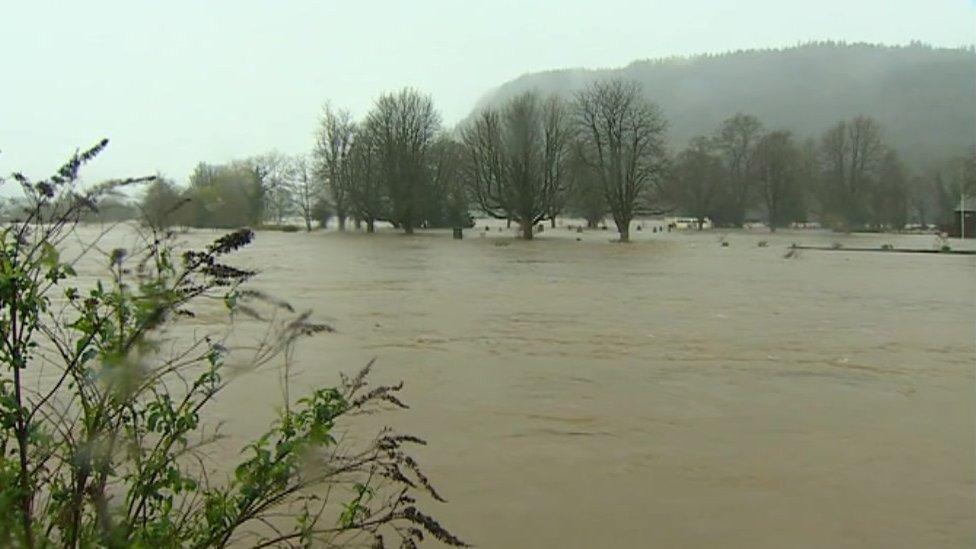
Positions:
{"x": 850, "y": 178}
{"x": 530, "y": 160}
{"x": 601, "y": 153}
{"x": 397, "y": 165}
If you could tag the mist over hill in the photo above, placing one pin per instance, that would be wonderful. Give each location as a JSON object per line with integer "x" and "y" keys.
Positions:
{"x": 924, "y": 97}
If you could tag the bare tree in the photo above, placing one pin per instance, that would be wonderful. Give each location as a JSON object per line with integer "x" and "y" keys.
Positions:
{"x": 402, "y": 127}
{"x": 623, "y": 138}
{"x": 333, "y": 142}
{"x": 811, "y": 181}
{"x": 776, "y": 167}
{"x": 737, "y": 138}
{"x": 270, "y": 172}
{"x": 517, "y": 159}
{"x": 585, "y": 194}
{"x": 308, "y": 191}
{"x": 365, "y": 190}
{"x": 852, "y": 152}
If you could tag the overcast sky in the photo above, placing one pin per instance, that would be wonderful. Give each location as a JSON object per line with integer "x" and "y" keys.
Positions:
{"x": 173, "y": 83}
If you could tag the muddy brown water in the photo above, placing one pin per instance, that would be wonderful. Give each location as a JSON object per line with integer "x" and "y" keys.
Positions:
{"x": 667, "y": 393}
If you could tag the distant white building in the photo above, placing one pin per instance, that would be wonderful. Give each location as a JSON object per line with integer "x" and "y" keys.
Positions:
{"x": 684, "y": 223}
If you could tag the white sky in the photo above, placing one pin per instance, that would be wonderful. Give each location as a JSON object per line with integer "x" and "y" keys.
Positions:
{"x": 176, "y": 82}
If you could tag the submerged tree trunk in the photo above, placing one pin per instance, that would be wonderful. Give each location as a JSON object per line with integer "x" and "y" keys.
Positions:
{"x": 591, "y": 223}
{"x": 508, "y": 223}
{"x": 624, "y": 229}
{"x": 552, "y": 222}
{"x": 408, "y": 228}
{"x": 358, "y": 222}
{"x": 370, "y": 226}
{"x": 526, "y": 228}
{"x": 342, "y": 221}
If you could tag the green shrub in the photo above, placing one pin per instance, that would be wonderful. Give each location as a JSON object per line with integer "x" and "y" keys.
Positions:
{"x": 112, "y": 452}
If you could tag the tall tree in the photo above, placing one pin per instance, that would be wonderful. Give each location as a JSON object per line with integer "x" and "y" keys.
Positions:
{"x": 517, "y": 159}
{"x": 333, "y": 142}
{"x": 737, "y": 138}
{"x": 365, "y": 192}
{"x": 695, "y": 179}
{"x": 921, "y": 199}
{"x": 279, "y": 185}
{"x": 224, "y": 196}
{"x": 585, "y": 194}
{"x": 446, "y": 203}
{"x": 160, "y": 203}
{"x": 852, "y": 153}
{"x": 402, "y": 127}
{"x": 307, "y": 189}
{"x": 810, "y": 181}
{"x": 269, "y": 172}
{"x": 776, "y": 166}
{"x": 890, "y": 194}
{"x": 623, "y": 140}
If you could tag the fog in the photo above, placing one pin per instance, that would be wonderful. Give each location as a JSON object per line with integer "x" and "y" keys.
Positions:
{"x": 184, "y": 82}
{"x": 499, "y": 274}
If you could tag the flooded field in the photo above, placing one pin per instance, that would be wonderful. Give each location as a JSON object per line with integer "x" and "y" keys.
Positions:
{"x": 667, "y": 393}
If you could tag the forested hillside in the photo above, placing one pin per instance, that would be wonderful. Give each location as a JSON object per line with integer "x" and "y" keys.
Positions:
{"x": 924, "y": 97}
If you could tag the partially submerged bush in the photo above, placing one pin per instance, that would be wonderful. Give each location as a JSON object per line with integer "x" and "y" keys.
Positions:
{"x": 110, "y": 448}
{"x": 282, "y": 228}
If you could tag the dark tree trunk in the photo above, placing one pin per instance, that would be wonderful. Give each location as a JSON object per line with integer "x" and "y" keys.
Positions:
{"x": 552, "y": 222}
{"x": 623, "y": 227}
{"x": 342, "y": 222}
{"x": 370, "y": 226}
{"x": 408, "y": 228}
{"x": 526, "y": 227}
{"x": 508, "y": 223}
{"x": 358, "y": 222}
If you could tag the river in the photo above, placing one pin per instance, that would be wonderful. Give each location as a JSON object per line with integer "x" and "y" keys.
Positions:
{"x": 672, "y": 392}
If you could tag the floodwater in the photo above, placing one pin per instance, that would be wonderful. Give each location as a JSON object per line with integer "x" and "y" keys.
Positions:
{"x": 668, "y": 393}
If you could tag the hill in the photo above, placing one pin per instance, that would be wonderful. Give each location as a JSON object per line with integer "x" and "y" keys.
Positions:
{"x": 925, "y": 97}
